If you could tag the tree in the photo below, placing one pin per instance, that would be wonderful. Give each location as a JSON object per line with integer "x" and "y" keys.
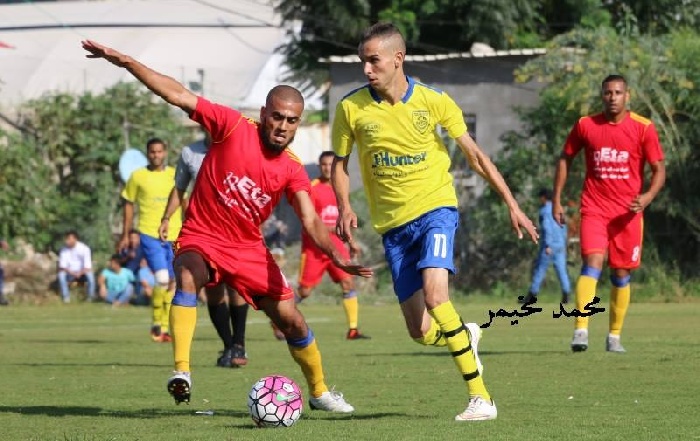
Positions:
{"x": 67, "y": 165}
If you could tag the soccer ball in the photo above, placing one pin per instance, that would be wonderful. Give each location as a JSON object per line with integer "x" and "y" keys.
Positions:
{"x": 275, "y": 401}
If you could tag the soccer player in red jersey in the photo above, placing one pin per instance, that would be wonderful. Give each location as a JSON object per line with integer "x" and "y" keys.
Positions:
{"x": 617, "y": 144}
{"x": 245, "y": 173}
{"x": 314, "y": 262}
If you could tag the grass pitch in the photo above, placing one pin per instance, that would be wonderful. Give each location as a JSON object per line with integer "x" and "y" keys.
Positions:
{"x": 88, "y": 372}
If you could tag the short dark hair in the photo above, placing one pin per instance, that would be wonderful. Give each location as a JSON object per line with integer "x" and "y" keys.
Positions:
{"x": 613, "y": 77}
{"x": 381, "y": 30}
{"x": 134, "y": 231}
{"x": 545, "y": 193}
{"x": 116, "y": 258}
{"x": 286, "y": 93}
{"x": 73, "y": 233}
{"x": 325, "y": 154}
{"x": 152, "y": 141}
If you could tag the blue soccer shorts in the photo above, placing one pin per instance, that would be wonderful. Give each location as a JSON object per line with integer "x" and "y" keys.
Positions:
{"x": 158, "y": 254}
{"x": 425, "y": 242}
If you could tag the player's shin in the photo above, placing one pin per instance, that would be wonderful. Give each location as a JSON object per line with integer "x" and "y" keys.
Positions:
{"x": 305, "y": 352}
{"x": 165, "y": 314}
{"x": 457, "y": 337}
{"x": 183, "y": 319}
{"x": 350, "y": 305}
{"x": 433, "y": 337}
{"x": 157, "y": 304}
{"x": 619, "y": 302}
{"x": 585, "y": 291}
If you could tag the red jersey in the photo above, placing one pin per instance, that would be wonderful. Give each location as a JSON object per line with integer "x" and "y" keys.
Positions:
{"x": 615, "y": 158}
{"x": 326, "y": 205}
{"x": 239, "y": 182}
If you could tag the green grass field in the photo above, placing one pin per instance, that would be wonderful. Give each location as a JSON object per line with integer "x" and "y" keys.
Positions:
{"x": 88, "y": 372}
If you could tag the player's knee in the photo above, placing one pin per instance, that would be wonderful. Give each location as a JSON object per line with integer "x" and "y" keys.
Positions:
{"x": 591, "y": 271}
{"x": 162, "y": 277}
{"x": 620, "y": 281}
{"x": 347, "y": 285}
{"x": 304, "y": 291}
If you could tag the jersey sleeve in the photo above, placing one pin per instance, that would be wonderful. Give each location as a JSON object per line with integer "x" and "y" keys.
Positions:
{"x": 298, "y": 181}
{"x": 131, "y": 190}
{"x": 450, "y": 116}
{"x": 219, "y": 121}
{"x": 651, "y": 146}
{"x": 574, "y": 142}
{"x": 182, "y": 172}
{"x": 63, "y": 259}
{"x": 342, "y": 137}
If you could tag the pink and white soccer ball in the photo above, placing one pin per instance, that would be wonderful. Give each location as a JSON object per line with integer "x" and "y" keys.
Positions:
{"x": 275, "y": 401}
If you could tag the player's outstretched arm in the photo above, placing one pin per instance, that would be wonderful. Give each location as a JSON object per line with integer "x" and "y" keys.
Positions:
{"x": 340, "y": 181}
{"x": 317, "y": 230}
{"x": 560, "y": 176}
{"x": 482, "y": 165}
{"x": 162, "y": 85}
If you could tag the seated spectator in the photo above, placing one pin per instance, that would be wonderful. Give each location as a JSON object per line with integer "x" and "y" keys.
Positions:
{"x": 131, "y": 255}
{"x": 144, "y": 283}
{"x": 75, "y": 264}
{"x": 115, "y": 283}
{"x": 3, "y": 300}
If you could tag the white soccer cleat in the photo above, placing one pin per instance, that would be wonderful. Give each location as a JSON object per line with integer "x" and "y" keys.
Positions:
{"x": 331, "y": 401}
{"x": 474, "y": 337}
{"x": 612, "y": 344}
{"x": 180, "y": 386}
{"x": 478, "y": 410}
{"x": 580, "y": 341}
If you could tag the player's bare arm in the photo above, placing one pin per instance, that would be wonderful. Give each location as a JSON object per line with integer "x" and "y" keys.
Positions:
{"x": 481, "y": 164}
{"x": 340, "y": 181}
{"x": 174, "y": 201}
{"x": 127, "y": 222}
{"x": 318, "y": 232}
{"x": 162, "y": 85}
{"x": 658, "y": 177}
{"x": 560, "y": 176}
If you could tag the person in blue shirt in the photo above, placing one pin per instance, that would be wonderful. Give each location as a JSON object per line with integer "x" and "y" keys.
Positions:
{"x": 553, "y": 242}
{"x": 116, "y": 282}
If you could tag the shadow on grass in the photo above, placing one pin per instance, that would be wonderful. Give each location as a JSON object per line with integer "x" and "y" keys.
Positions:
{"x": 63, "y": 411}
{"x": 444, "y": 353}
{"x": 328, "y": 417}
{"x": 75, "y": 342}
{"x": 90, "y": 364}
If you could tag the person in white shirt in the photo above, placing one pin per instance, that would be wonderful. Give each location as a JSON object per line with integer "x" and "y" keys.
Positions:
{"x": 75, "y": 264}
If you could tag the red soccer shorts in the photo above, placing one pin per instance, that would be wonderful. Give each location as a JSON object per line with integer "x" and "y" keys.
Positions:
{"x": 252, "y": 271}
{"x": 621, "y": 236}
{"x": 314, "y": 263}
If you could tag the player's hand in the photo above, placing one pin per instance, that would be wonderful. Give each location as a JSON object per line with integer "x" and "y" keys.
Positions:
{"x": 98, "y": 51}
{"x": 518, "y": 220}
{"x": 355, "y": 269}
{"x": 122, "y": 244}
{"x": 548, "y": 251}
{"x": 163, "y": 229}
{"x": 346, "y": 222}
{"x": 558, "y": 212}
{"x": 355, "y": 250}
{"x": 641, "y": 202}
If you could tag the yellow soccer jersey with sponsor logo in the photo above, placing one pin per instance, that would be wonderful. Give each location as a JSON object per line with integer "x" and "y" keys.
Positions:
{"x": 149, "y": 190}
{"x": 404, "y": 163}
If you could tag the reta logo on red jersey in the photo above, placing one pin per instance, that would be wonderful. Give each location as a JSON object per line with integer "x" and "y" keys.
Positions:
{"x": 329, "y": 214}
{"x": 246, "y": 188}
{"x": 608, "y": 154}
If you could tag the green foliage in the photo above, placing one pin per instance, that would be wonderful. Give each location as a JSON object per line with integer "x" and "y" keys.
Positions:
{"x": 662, "y": 72}
{"x": 63, "y": 174}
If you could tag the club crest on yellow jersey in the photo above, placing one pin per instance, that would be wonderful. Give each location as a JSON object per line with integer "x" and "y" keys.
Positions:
{"x": 421, "y": 120}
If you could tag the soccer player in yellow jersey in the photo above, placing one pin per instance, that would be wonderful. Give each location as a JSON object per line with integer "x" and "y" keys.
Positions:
{"x": 148, "y": 188}
{"x": 412, "y": 200}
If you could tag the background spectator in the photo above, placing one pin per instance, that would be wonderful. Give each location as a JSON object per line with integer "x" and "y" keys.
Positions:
{"x": 75, "y": 264}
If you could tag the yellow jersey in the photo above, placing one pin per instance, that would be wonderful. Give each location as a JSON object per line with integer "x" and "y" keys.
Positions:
{"x": 403, "y": 161}
{"x": 150, "y": 190}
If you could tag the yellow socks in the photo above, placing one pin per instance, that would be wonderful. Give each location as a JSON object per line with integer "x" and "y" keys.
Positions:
{"x": 619, "y": 302}
{"x": 585, "y": 291}
{"x": 305, "y": 352}
{"x": 351, "y": 308}
{"x": 165, "y": 320}
{"x": 183, "y": 318}
{"x": 433, "y": 337}
{"x": 157, "y": 304}
{"x": 457, "y": 337}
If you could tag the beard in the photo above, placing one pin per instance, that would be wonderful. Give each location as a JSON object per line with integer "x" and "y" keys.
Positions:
{"x": 274, "y": 147}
